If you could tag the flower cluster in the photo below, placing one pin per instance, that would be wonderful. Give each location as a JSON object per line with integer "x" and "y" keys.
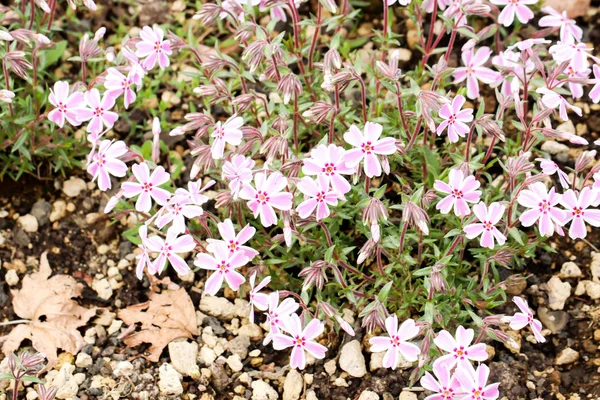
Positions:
{"x": 329, "y": 141}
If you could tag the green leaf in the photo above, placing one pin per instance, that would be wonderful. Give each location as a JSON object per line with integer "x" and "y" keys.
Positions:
{"x": 516, "y": 234}
{"x": 50, "y": 56}
{"x": 384, "y": 292}
{"x": 33, "y": 379}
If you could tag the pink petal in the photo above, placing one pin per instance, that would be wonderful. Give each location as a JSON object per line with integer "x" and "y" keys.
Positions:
{"x": 234, "y": 279}
{"x": 445, "y": 341}
{"x": 380, "y": 343}
{"x": 390, "y": 359}
{"x": 409, "y": 351}
{"x": 214, "y": 283}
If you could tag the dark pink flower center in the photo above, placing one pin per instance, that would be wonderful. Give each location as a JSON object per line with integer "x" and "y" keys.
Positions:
{"x": 578, "y": 212}
{"x": 457, "y": 193}
{"x": 223, "y": 266}
{"x": 329, "y": 168}
{"x": 368, "y": 148}
{"x": 147, "y": 187}
{"x": 544, "y": 206}
{"x": 488, "y": 225}
{"x": 262, "y": 197}
{"x": 321, "y": 197}
{"x": 300, "y": 341}
{"x": 460, "y": 352}
{"x": 233, "y": 246}
{"x": 98, "y": 111}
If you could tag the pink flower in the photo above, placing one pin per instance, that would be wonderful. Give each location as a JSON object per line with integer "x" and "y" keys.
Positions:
{"x": 168, "y": 249}
{"x": 569, "y": 31}
{"x": 542, "y": 207}
{"x": 514, "y": 7}
{"x": 301, "y": 340}
{"x": 367, "y": 147}
{"x": 576, "y": 88}
{"x": 474, "y": 383}
{"x": 238, "y": 172}
{"x": 578, "y": 211}
{"x": 106, "y": 162}
{"x": 595, "y": 92}
{"x": 144, "y": 257}
{"x": 460, "y": 350}
{"x": 277, "y": 313}
{"x": 474, "y": 71}
{"x": 153, "y": 47}
{"x": 176, "y": 211}
{"x": 576, "y": 53}
{"x": 401, "y": 2}
{"x": 228, "y": 132}
{"x": 454, "y": 119}
{"x": 524, "y": 318}
{"x": 258, "y": 300}
{"x": 460, "y": 190}
{"x": 551, "y": 99}
{"x": 441, "y": 4}
{"x": 193, "y": 193}
{"x": 549, "y": 167}
{"x": 317, "y": 195}
{"x": 67, "y": 106}
{"x": 328, "y": 161}
{"x": 267, "y": 195}
{"x": 488, "y": 217}
{"x": 224, "y": 263}
{"x": 397, "y": 342}
{"x": 147, "y": 187}
{"x": 98, "y": 113}
{"x": 117, "y": 84}
{"x": 446, "y": 387}
{"x": 345, "y": 326}
{"x": 232, "y": 241}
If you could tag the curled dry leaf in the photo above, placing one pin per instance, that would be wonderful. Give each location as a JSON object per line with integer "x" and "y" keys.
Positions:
{"x": 166, "y": 317}
{"x": 53, "y": 314}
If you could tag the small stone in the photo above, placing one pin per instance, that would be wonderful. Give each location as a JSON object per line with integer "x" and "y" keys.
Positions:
{"x": 580, "y": 289}
{"x": 406, "y": 395}
{"x": 41, "y": 211}
{"x": 566, "y": 127}
{"x": 170, "y": 98}
{"x": 567, "y": 356}
{"x": 558, "y": 293}
{"x": 207, "y": 355}
{"x": 553, "y": 320}
{"x": 83, "y": 360}
{"x": 74, "y": 186}
{"x": 592, "y": 289}
{"x": 59, "y": 210}
{"x": 330, "y": 367}
{"x": 11, "y": 277}
{"x": 292, "y": 387}
{"x": 595, "y": 266}
{"x": 64, "y": 380}
{"x": 102, "y": 287}
{"x": 183, "y": 356}
{"x": 169, "y": 381}
{"x": 341, "y": 382}
{"x": 254, "y": 353}
{"x": 92, "y": 218}
{"x": 553, "y": 147}
{"x": 261, "y": 390}
{"x": 103, "y": 249}
{"x": 597, "y": 335}
{"x": 311, "y": 395}
{"x": 253, "y": 331}
{"x": 368, "y": 395}
{"x": 235, "y": 363}
{"x": 352, "y": 360}
{"x": 569, "y": 270}
{"x": 239, "y": 346}
{"x": 218, "y": 307}
{"x": 29, "y": 223}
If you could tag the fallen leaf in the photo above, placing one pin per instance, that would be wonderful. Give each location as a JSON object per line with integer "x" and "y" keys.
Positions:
{"x": 53, "y": 314}
{"x": 165, "y": 317}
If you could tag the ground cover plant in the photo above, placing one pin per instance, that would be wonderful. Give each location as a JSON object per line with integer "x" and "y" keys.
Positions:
{"x": 324, "y": 177}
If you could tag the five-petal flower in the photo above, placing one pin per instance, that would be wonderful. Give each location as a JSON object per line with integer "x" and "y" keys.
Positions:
{"x": 488, "y": 218}
{"x": 147, "y": 187}
{"x": 368, "y": 146}
{"x": 397, "y": 342}
{"x": 224, "y": 263}
{"x": 460, "y": 190}
{"x": 300, "y": 340}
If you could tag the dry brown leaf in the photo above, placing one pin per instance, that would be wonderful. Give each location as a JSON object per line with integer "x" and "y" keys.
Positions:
{"x": 166, "y": 317}
{"x": 54, "y": 315}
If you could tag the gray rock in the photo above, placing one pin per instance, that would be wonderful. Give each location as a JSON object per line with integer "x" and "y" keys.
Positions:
{"x": 261, "y": 390}
{"x": 558, "y": 293}
{"x": 352, "y": 360}
{"x": 239, "y": 345}
{"x": 29, "y": 223}
{"x": 553, "y": 320}
{"x": 83, "y": 360}
{"x": 41, "y": 211}
{"x": 64, "y": 380}
{"x": 368, "y": 395}
{"x": 169, "y": 381}
{"x": 74, "y": 186}
{"x": 569, "y": 270}
{"x": 218, "y": 307}
{"x": 567, "y": 356}
{"x": 20, "y": 237}
{"x": 183, "y": 356}
{"x": 292, "y": 387}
